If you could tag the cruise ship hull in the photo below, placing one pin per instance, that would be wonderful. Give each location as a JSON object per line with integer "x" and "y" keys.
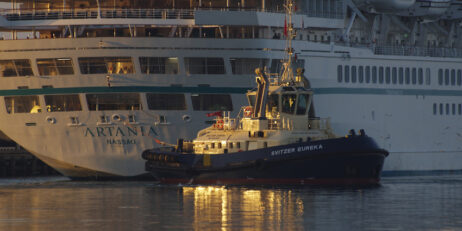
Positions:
{"x": 400, "y": 117}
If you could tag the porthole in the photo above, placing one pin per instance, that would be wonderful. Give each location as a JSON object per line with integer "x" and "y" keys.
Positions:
{"x": 51, "y": 120}
{"x": 187, "y": 118}
{"x": 116, "y": 118}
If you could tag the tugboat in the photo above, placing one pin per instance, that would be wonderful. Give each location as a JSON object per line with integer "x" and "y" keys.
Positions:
{"x": 275, "y": 140}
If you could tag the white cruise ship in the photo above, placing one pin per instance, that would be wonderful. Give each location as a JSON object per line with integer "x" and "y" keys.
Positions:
{"x": 87, "y": 85}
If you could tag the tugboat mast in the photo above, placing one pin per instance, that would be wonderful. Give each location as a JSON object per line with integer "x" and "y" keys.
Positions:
{"x": 287, "y": 76}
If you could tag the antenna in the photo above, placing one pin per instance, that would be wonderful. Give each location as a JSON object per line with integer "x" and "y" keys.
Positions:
{"x": 290, "y": 33}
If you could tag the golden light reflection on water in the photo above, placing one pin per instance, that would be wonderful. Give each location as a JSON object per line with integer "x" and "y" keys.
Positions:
{"x": 219, "y": 207}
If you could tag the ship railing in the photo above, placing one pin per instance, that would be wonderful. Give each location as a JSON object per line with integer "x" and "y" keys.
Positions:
{"x": 319, "y": 123}
{"x": 273, "y": 78}
{"x": 280, "y": 124}
{"x": 274, "y": 124}
{"x": 226, "y": 122}
{"x": 10, "y": 150}
{"x": 92, "y": 13}
{"x": 325, "y": 14}
{"x": 418, "y": 51}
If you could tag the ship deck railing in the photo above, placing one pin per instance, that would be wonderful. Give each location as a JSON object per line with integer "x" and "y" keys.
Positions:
{"x": 319, "y": 123}
{"x": 107, "y": 13}
{"x": 273, "y": 78}
{"x": 92, "y": 13}
{"x": 418, "y": 51}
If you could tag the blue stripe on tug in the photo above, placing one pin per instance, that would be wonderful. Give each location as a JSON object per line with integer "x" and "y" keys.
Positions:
{"x": 352, "y": 160}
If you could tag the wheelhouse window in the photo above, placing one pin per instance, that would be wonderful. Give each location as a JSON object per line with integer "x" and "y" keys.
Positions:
{"x": 276, "y": 65}
{"x": 251, "y": 99}
{"x": 247, "y": 66}
{"x": 288, "y": 103}
{"x": 166, "y": 101}
{"x": 58, "y": 103}
{"x": 272, "y": 105}
{"x": 159, "y": 65}
{"x": 207, "y": 66}
{"x": 116, "y": 101}
{"x": 106, "y": 65}
{"x": 302, "y": 104}
{"x": 53, "y": 67}
{"x": 22, "y": 104}
{"x": 212, "y": 102}
{"x": 16, "y": 67}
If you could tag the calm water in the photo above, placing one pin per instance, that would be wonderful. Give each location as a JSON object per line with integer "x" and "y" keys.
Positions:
{"x": 400, "y": 203}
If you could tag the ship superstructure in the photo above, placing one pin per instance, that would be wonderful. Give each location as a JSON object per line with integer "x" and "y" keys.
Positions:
{"x": 88, "y": 85}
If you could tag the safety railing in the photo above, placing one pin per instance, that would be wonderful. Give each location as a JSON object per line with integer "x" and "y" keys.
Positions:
{"x": 92, "y": 13}
{"x": 418, "y": 51}
{"x": 319, "y": 123}
{"x": 89, "y": 13}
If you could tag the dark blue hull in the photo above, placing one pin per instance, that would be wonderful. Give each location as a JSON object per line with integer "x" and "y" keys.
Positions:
{"x": 353, "y": 160}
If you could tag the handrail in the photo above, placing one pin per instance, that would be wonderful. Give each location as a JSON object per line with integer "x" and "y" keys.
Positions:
{"x": 88, "y": 13}
{"x": 418, "y": 51}
{"x": 92, "y": 13}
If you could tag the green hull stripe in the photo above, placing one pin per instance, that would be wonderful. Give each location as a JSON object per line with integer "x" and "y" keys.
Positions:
{"x": 225, "y": 90}
{"x": 381, "y": 91}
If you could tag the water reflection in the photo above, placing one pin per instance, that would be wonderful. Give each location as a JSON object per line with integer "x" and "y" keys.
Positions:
{"x": 400, "y": 204}
{"x": 256, "y": 209}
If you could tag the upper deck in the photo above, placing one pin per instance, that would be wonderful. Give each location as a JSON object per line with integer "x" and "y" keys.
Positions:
{"x": 23, "y": 14}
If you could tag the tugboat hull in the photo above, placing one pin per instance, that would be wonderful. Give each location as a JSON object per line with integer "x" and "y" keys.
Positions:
{"x": 353, "y": 160}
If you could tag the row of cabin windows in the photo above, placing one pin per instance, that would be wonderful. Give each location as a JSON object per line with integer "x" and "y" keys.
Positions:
{"x": 450, "y": 77}
{"x": 118, "y": 101}
{"x": 447, "y": 109}
{"x": 124, "y": 65}
{"x": 383, "y": 75}
{"x": 229, "y": 145}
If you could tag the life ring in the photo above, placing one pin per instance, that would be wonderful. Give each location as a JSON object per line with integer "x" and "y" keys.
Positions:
{"x": 116, "y": 117}
{"x": 219, "y": 124}
{"x": 248, "y": 111}
{"x": 51, "y": 120}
